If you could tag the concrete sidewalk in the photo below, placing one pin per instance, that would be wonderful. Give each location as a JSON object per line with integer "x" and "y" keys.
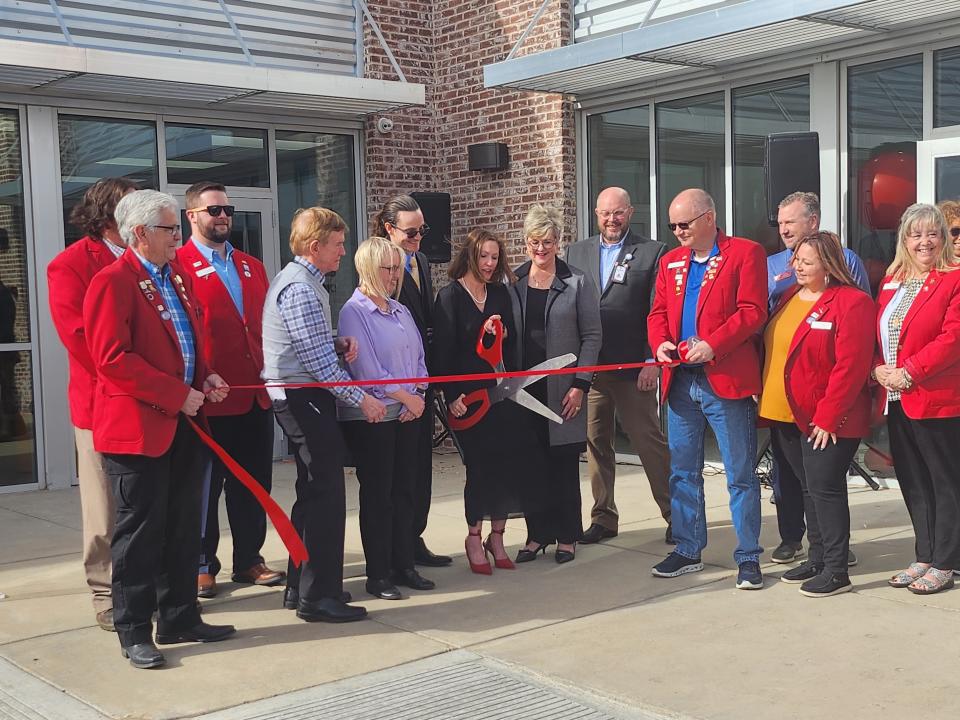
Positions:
{"x": 599, "y": 637}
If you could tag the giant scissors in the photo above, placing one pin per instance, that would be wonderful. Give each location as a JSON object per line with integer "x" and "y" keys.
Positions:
{"x": 479, "y": 401}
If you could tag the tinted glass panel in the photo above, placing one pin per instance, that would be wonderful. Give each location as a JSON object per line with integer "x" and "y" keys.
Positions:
{"x": 947, "y": 178}
{"x": 620, "y": 155}
{"x": 231, "y": 156}
{"x": 946, "y": 87}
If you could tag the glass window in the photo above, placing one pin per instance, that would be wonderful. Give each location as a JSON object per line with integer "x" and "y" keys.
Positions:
{"x": 318, "y": 169}
{"x": 947, "y": 178}
{"x": 759, "y": 110}
{"x": 690, "y": 154}
{"x": 619, "y": 145}
{"x": 884, "y": 121}
{"x": 231, "y": 156}
{"x": 18, "y": 460}
{"x": 92, "y": 149}
{"x": 946, "y": 87}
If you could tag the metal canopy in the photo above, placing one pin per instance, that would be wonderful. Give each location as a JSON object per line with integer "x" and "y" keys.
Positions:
{"x": 50, "y": 71}
{"x": 716, "y": 40}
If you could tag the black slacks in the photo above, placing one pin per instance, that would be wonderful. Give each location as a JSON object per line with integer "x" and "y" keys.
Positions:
{"x": 924, "y": 455}
{"x": 248, "y": 439}
{"x": 154, "y": 547}
{"x": 789, "y": 495}
{"x": 559, "y": 519}
{"x": 308, "y": 418}
{"x": 823, "y": 477}
{"x": 423, "y": 485}
{"x": 386, "y": 455}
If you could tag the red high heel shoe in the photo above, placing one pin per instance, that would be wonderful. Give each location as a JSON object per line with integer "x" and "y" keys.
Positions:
{"x": 504, "y": 563}
{"x": 478, "y": 568}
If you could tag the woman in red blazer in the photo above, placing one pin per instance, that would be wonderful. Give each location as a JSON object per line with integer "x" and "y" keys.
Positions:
{"x": 918, "y": 369}
{"x": 819, "y": 347}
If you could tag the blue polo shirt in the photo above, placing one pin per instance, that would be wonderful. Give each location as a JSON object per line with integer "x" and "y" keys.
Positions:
{"x": 695, "y": 275}
{"x": 780, "y": 274}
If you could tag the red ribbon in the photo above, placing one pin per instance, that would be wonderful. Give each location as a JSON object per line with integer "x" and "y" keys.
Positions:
{"x": 289, "y": 535}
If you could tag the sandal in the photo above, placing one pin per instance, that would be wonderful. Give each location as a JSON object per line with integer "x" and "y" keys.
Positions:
{"x": 905, "y": 577}
{"x": 932, "y": 582}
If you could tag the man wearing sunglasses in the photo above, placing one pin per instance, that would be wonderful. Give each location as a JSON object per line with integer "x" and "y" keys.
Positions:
{"x": 711, "y": 300}
{"x": 231, "y": 287}
{"x": 623, "y": 267}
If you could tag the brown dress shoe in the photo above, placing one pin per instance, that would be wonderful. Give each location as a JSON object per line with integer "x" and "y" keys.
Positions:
{"x": 259, "y": 574}
{"x": 105, "y": 620}
{"x": 206, "y": 585}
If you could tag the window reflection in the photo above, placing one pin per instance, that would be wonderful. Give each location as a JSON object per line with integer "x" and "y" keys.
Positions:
{"x": 234, "y": 156}
{"x": 620, "y": 156}
{"x": 946, "y": 87}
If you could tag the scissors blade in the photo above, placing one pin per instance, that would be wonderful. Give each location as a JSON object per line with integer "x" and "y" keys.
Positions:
{"x": 510, "y": 386}
{"x": 522, "y": 397}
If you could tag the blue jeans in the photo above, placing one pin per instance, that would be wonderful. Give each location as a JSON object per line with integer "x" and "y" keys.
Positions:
{"x": 691, "y": 405}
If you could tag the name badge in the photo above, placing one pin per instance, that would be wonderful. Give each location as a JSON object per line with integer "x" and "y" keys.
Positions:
{"x": 891, "y": 286}
{"x": 619, "y": 274}
{"x": 197, "y": 263}
{"x": 205, "y": 271}
{"x": 783, "y": 276}
{"x": 676, "y": 264}
{"x": 821, "y": 325}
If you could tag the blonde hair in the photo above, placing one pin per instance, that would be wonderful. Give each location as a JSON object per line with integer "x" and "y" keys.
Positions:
{"x": 541, "y": 221}
{"x": 950, "y": 210}
{"x": 920, "y": 214}
{"x": 315, "y": 223}
{"x": 370, "y": 256}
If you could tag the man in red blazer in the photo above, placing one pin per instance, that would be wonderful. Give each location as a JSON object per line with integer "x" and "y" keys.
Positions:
{"x": 711, "y": 300}
{"x": 230, "y": 287}
{"x": 143, "y": 330}
{"x": 68, "y": 277}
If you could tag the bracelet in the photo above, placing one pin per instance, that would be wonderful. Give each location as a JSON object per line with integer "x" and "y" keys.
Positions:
{"x": 907, "y": 380}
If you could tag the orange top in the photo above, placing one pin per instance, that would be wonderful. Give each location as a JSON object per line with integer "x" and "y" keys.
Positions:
{"x": 777, "y": 338}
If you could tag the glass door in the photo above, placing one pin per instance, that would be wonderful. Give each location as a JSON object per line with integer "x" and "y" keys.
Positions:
{"x": 938, "y": 170}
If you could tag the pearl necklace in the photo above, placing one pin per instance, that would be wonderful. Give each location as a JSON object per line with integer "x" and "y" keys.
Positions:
{"x": 478, "y": 303}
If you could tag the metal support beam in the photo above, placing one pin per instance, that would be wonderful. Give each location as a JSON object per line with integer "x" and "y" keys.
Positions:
{"x": 842, "y": 23}
{"x": 236, "y": 33}
{"x": 383, "y": 42}
{"x": 533, "y": 22}
{"x": 62, "y": 23}
{"x": 650, "y": 11}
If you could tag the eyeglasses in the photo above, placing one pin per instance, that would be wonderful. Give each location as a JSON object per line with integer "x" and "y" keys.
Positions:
{"x": 411, "y": 233}
{"x": 172, "y": 229}
{"x": 545, "y": 244}
{"x": 618, "y": 214}
{"x": 391, "y": 268}
{"x": 215, "y": 210}
{"x": 955, "y": 232}
{"x": 686, "y": 225}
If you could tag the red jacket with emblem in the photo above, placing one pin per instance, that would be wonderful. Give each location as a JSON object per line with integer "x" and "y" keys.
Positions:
{"x": 68, "y": 277}
{"x": 929, "y": 346}
{"x": 140, "y": 387}
{"x": 731, "y": 308}
{"x": 828, "y": 364}
{"x": 233, "y": 343}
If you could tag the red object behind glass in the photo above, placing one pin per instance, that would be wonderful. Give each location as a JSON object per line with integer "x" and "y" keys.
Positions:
{"x": 887, "y": 186}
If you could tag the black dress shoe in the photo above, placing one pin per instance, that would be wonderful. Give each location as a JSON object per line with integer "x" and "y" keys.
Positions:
{"x": 291, "y": 597}
{"x": 595, "y": 533}
{"x": 329, "y": 610}
{"x": 668, "y": 536}
{"x": 412, "y": 579}
{"x": 564, "y": 556}
{"x": 201, "y": 632}
{"x": 423, "y": 556}
{"x": 525, "y": 555}
{"x": 383, "y": 589}
{"x": 143, "y": 655}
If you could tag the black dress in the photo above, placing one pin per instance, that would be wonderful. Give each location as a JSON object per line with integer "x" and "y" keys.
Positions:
{"x": 504, "y": 461}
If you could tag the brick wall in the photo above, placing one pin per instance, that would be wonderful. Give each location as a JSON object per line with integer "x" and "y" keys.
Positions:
{"x": 427, "y": 149}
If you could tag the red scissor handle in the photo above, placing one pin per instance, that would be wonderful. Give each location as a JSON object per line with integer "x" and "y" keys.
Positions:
{"x": 477, "y": 396}
{"x": 493, "y": 354}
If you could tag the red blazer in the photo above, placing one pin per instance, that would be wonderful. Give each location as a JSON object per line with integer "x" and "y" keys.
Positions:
{"x": 139, "y": 365}
{"x": 68, "y": 277}
{"x": 232, "y": 343}
{"x": 828, "y": 364}
{"x": 731, "y": 309}
{"x": 929, "y": 346}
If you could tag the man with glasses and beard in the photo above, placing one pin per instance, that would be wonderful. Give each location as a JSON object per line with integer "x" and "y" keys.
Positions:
{"x": 230, "y": 287}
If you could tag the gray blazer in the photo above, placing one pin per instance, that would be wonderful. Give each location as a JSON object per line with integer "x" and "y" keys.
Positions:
{"x": 623, "y": 306}
{"x": 572, "y": 326}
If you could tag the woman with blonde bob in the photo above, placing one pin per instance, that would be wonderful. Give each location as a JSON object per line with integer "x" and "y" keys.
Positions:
{"x": 918, "y": 369}
{"x": 385, "y": 452}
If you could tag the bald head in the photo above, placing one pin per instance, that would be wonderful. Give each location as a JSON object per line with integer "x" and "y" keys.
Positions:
{"x": 613, "y": 214}
{"x": 695, "y": 209}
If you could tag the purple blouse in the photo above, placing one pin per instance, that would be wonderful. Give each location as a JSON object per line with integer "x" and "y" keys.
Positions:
{"x": 389, "y": 344}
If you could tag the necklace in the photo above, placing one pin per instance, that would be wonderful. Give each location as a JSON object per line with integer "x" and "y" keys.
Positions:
{"x": 541, "y": 284}
{"x": 479, "y": 303}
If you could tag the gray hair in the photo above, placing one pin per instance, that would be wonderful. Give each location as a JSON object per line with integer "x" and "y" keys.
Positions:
{"x": 141, "y": 207}
{"x": 543, "y": 220}
{"x": 810, "y": 201}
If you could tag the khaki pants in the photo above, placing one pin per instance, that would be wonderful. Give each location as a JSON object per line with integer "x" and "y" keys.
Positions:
{"x": 98, "y": 509}
{"x": 612, "y": 397}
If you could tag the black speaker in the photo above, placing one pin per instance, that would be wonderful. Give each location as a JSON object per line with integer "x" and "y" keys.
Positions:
{"x": 436, "y": 214}
{"x": 791, "y": 164}
{"x": 488, "y": 156}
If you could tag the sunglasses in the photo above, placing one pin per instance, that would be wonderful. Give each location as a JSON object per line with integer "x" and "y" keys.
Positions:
{"x": 955, "y": 232}
{"x": 686, "y": 225}
{"x": 215, "y": 210}
{"x": 411, "y": 233}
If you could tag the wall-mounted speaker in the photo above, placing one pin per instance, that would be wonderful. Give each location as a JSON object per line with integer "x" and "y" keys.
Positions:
{"x": 488, "y": 156}
{"x": 791, "y": 164}
{"x": 436, "y": 213}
